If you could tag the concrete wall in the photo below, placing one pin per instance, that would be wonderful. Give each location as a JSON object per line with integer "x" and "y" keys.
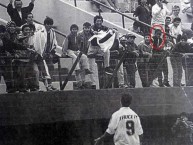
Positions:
{"x": 49, "y": 107}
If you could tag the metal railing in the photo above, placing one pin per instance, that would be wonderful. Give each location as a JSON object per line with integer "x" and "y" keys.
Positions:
{"x": 122, "y": 15}
{"x": 58, "y": 32}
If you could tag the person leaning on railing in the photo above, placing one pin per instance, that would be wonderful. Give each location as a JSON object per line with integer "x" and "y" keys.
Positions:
{"x": 7, "y": 48}
{"x": 19, "y": 13}
{"x": 131, "y": 58}
{"x": 10, "y": 45}
{"x": 25, "y": 62}
{"x": 145, "y": 53}
{"x": 158, "y": 62}
{"x": 177, "y": 59}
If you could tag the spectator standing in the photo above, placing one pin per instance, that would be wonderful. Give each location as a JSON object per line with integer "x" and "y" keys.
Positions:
{"x": 175, "y": 29}
{"x": 159, "y": 13}
{"x": 132, "y": 54}
{"x": 7, "y": 49}
{"x": 175, "y": 12}
{"x": 176, "y": 59}
{"x": 167, "y": 23}
{"x": 25, "y": 68}
{"x": 125, "y": 125}
{"x": 19, "y": 13}
{"x": 38, "y": 40}
{"x": 143, "y": 12}
{"x": 49, "y": 49}
{"x": 159, "y": 56}
{"x": 145, "y": 53}
{"x": 97, "y": 27}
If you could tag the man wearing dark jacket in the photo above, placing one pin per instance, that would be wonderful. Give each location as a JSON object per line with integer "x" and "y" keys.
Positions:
{"x": 132, "y": 54}
{"x": 19, "y": 13}
{"x": 178, "y": 55}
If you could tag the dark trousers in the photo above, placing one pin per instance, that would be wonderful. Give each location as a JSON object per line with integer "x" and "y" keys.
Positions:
{"x": 143, "y": 69}
{"x": 176, "y": 63}
{"x": 8, "y": 71}
{"x": 156, "y": 68}
{"x": 131, "y": 69}
{"x": 27, "y": 75}
{"x": 187, "y": 63}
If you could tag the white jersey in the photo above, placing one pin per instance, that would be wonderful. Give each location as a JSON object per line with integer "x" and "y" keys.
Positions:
{"x": 126, "y": 126}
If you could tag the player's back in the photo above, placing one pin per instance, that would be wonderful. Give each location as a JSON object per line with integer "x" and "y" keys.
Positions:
{"x": 127, "y": 127}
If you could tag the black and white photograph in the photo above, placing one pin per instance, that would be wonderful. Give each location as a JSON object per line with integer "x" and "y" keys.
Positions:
{"x": 96, "y": 72}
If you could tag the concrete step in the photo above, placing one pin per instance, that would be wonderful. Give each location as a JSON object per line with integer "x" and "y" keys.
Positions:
{"x": 114, "y": 17}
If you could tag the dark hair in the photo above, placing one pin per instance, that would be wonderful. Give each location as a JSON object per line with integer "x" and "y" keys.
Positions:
{"x": 97, "y": 17}
{"x": 184, "y": 114}
{"x": 177, "y": 19}
{"x": 73, "y": 26}
{"x": 2, "y": 29}
{"x": 146, "y": 34}
{"x": 126, "y": 100}
{"x": 24, "y": 26}
{"x": 158, "y": 30}
{"x": 136, "y": 24}
{"x": 86, "y": 24}
{"x": 168, "y": 18}
{"x": 32, "y": 26}
{"x": 184, "y": 36}
{"x": 48, "y": 21}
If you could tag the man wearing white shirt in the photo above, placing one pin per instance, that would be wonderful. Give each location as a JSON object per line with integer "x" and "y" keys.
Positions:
{"x": 175, "y": 28}
{"x": 159, "y": 13}
{"x": 125, "y": 125}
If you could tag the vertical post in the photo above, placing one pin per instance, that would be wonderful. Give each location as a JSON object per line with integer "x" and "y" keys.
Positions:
{"x": 99, "y": 10}
{"x": 75, "y": 4}
{"x": 59, "y": 72}
{"x": 115, "y": 70}
{"x": 123, "y": 21}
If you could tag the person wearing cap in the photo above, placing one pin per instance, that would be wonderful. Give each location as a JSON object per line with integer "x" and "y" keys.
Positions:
{"x": 183, "y": 130}
{"x": 19, "y": 13}
{"x": 145, "y": 53}
{"x": 131, "y": 58}
{"x": 177, "y": 57}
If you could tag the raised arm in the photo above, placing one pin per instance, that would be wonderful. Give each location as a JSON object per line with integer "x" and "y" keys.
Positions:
{"x": 10, "y": 8}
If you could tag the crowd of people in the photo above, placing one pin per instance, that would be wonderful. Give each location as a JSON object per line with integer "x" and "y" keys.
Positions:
{"x": 29, "y": 50}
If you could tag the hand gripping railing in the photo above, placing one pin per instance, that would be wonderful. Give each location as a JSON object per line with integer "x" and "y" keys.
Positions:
{"x": 123, "y": 23}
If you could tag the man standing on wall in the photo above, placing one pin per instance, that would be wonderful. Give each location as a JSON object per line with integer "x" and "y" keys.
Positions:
{"x": 125, "y": 125}
{"x": 19, "y": 13}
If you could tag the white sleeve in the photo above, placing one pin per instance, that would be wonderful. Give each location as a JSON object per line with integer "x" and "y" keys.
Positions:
{"x": 155, "y": 10}
{"x": 168, "y": 12}
{"x": 112, "y": 125}
{"x": 139, "y": 129}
